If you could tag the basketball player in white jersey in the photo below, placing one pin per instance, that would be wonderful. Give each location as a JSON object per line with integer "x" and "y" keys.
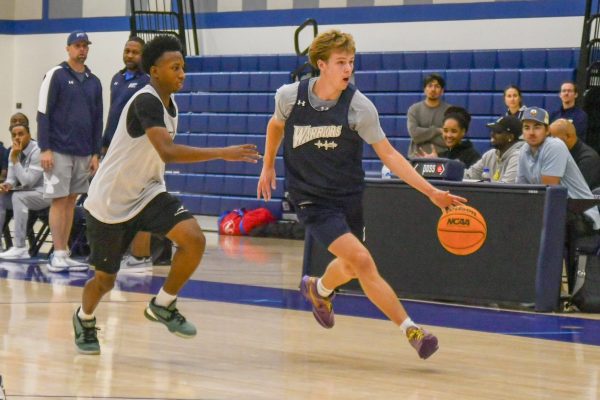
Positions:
{"x": 128, "y": 195}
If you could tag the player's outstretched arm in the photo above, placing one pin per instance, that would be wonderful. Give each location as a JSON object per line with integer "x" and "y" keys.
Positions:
{"x": 267, "y": 181}
{"x": 171, "y": 152}
{"x": 402, "y": 168}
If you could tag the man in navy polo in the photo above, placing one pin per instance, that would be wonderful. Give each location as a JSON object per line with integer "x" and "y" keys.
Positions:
{"x": 69, "y": 135}
{"x": 124, "y": 84}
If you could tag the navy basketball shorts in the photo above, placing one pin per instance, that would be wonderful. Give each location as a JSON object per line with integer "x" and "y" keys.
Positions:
{"x": 328, "y": 221}
{"x": 109, "y": 242}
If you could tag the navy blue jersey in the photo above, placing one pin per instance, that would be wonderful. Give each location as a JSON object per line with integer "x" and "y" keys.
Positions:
{"x": 323, "y": 156}
{"x": 122, "y": 87}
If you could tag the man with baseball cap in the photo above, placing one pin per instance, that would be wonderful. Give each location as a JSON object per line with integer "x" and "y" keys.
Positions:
{"x": 502, "y": 160}
{"x": 69, "y": 136}
{"x": 546, "y": 160}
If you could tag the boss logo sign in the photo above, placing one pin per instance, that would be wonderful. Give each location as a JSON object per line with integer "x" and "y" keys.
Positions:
{"x": 428, "y": 168}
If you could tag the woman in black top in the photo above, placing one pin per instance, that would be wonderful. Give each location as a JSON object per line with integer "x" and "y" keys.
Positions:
{"x": 454, "y": 129}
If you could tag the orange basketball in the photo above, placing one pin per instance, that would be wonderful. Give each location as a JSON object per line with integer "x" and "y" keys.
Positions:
{"x": 462, "y": 230}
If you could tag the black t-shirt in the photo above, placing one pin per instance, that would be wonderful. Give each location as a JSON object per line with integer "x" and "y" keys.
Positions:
{"x": 146, "y": 111}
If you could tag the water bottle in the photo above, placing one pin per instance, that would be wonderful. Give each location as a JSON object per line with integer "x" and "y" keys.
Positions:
{"x": 386, "y": 173}
{"x": 485, "y": 175}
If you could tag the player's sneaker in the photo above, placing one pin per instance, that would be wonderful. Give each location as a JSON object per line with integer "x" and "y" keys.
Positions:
{"x": 130, "y": 263}
{"x": 322, "y": 307}
{"x": 65, "y": 264}
{"x": 16, "y": 253}
{"x": 171, "y": 318}
{"x": 86, "y": 338}
{"x": 424, "y": 342}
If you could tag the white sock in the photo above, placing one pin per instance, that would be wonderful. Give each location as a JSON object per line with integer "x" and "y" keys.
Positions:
{"x": 164, "y": 299}
{"x": 83, "y": 316}
{"x": 322, "y": 290}
{"x": 407, "y": 323}
{"x": 60, "y": 253}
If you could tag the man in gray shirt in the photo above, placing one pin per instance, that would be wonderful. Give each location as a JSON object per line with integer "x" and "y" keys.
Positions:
{"x": 425, "y": 118}
{"x": 546, "y": 160}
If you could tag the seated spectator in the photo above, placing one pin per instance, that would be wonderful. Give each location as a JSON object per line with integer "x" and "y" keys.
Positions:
{"x": 546, "y": 160}
{"x": 502, "y": 160}
{"x": 586, "y": 158}
{"x": 568, "y": 95}
{"x": 513, "y": 100}
{"x": 425, "y": 118}
{"x": 456, "y": 147}
{"x": 22, "y": 190}
{"x": 16, "y": 119}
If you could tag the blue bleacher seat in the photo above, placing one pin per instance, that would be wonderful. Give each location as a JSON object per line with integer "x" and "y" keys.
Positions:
{"x": 552, "y": 103}
{"x": 364, "y": 81}
{"x": 277, "y": 79}
{"x": 534, "y": 99}
{"x": 230, "y": 63}
{"x": 249, "y": 63}
{"x": 211, "y": 63}
{"x": 498, "y": 106}
{"x": 534, "y": 58}
{"x": 481, "y": 80}
{"x": 509, "y": 59}
{"x": 561, "y": 58}
{"x": 405, "y": 100}
{"x": 457, "y": 80}
{"x": 386, "y": 81}
{"x": 183, "y": 123}
{"x": 239, "y": 82}
{"x": 415, "y": 60}
{"x": 200, "y": 81}
{"x": 238, "y": 123}
{"x": 199, "y": 102}
{"x": 484, "y": 58}
{"x": 219, "y": 82}
{"x": 183, "y": 102}
{"x": 461, "y": 59}
{"x": 288, "y": 62}
{"x": 193, "y": 64}
{"x": 175, "y": 182}
{"x": 259, "y": 82}
{"x": 437, "y": 60}
{"x": 478, "y": 128}
{"x": 393, "y": 61}
{"x": 386, "y": 103}
{"x": 532, "y": 80}
{"x": 368, "y": 61}
{"x": 480, "y": 103}
{"x": 410, "y": 81}
{"x": 456, "y": 99}
{"x": 555, "y": 78}
{"x": 238, "y": 102}
{"x": 505, "y": 77}
{"x": 259, "y": 103}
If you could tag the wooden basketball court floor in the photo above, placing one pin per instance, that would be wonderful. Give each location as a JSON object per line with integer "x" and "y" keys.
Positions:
{"x": 257, "y": 339}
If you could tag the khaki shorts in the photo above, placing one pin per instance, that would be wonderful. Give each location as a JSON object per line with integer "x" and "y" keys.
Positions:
{"x": 70, "y": 175}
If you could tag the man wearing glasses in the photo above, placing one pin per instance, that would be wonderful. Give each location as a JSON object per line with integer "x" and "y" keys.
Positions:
{"x": 568, "y": 95}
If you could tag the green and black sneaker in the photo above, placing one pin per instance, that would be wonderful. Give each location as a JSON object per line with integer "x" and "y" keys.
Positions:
{"x": 171, "y": 318}
{"x": 86, "y": 338}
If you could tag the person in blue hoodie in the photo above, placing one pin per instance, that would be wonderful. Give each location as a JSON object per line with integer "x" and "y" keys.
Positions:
{"x": 69, "y": 136}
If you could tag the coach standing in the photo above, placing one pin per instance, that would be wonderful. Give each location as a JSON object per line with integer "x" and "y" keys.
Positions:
{"x": 69, "y": 135}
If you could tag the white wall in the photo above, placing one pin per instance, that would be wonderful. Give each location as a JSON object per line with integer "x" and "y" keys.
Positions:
{"x": 33, "y": 55}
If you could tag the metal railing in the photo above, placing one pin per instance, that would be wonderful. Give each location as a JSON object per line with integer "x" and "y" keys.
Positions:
{"x": 150, "y": 18}
{"x": 305, "y": 70}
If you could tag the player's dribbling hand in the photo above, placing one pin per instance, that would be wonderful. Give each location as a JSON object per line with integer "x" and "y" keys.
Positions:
{"x": 444, "y": 199}
{"x": 266, "y": 182}
{"x": 242, "y": 152}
